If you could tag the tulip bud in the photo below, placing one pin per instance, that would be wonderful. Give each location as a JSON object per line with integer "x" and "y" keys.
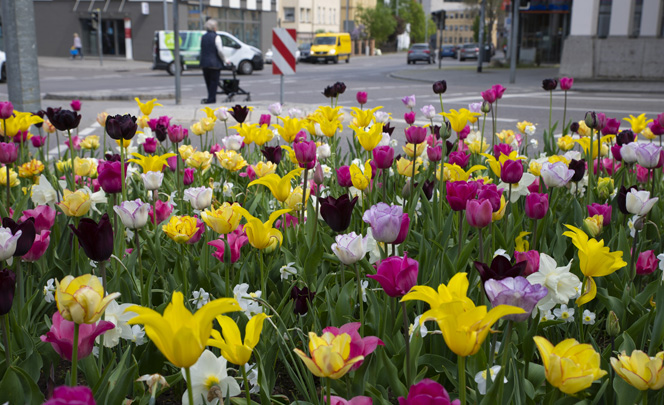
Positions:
{"x": 605, "y": 187}
{"x": 6, "y": 109}
{"x": 593, "y": 225}
{"x": 7, "y": 288}
{"x": 486, "y": 107}
{"x": 319, "y": 177}
{"x": 612, "y": 324}
{"x": 405, "y": 191}
{"x": 639, "y": 224}
{"x": 591, "y": 120}
{"x": 574, "y": 127}
{"x": 445, "y": 130}
{"x": 361, "y": 97}
{"x": 440, "y": 87}
{"x": 549, "y": 84}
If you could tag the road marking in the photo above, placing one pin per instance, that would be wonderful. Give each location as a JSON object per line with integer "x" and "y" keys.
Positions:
{"x": 559, "y": 108}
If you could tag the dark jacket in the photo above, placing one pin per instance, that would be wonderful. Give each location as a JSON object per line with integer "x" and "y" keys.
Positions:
{"x": 209, "y": 56}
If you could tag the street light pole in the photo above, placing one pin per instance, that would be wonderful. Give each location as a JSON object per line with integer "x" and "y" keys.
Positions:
{"x": 176, "y": 48}
{"x": 165, "y": 7}
{"x": 514, "y": 39}
{"x": 480, "y": 59}
{"x": 200, "y": 14}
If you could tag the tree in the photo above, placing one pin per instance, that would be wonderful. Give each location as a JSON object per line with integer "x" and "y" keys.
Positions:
{"x": 379, "y": 21}
{"x": 493, "y": 13}
{"x": 413, "y": 13}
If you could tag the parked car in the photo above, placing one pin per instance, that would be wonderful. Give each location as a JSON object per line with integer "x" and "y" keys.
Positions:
{"x": 448, "y": 51}
{"x": 305, "y": 52}
{"x": 472, "y": 50}
{"x": 269, "y": 54}
{"x": 331, "y": 47}
{"x": 419, "y": 52}
{"x": 3, "y": 69}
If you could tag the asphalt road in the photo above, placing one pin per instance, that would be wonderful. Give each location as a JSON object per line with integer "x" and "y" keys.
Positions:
{"x": 524, "y": 100}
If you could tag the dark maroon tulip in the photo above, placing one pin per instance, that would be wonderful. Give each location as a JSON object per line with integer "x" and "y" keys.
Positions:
{"x": 459, "y": 192}
{"x": 112, "y": 157}
{"x": 110, "y": 176}
{"x": 160, "y": 131}
{"x": 7, "y": 288}
{"x": 624, "y": 137}
{"x": 492, "y": 193}
{"x": 337, "y": 212}
{"x": 388, "y": 129}
{"x": 239, "y": 113}
{"x": 121, "y": 126}
{"x": 500, "y": 268}
{"x": 574, "y": 127}
{"x": 41, "y": 114}
{"x": 63, "y": 120}
{"x": 440, "y": 87}
{"x": 343, "y": 176}
{"x": 397, "y": 275}
{"x": 579, "y": 167}
{"x": 383, "y": 156}
{"x": 96, "y": 238}
{"x": 403, "y": 231}
{"x": 549, "y": 84}
{"x": 459, "y": 158}
{"x": 27, "y": 237}
{"x": 427, "y": 188}
{"x": 512, "y": 171}
{"x": 329, "y": 92}
{"x": 621, "y": 198}
{"x": 302, "y": 297}
{"x": 537, "y": 205}
{"x": 272, "y": 154}
{"x": 600, "y": 209}
{"x": 339, "y": 87}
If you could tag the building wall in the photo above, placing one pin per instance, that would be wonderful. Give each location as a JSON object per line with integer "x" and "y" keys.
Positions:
{"x": 56, "y": 21}
{"x": 309, "y": 16}
{"x": 619, "y": 39}
{"x": 352, "y": 9}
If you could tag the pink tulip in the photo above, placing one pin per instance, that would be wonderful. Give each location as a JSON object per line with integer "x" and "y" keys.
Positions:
{"x": 38, "y": 141}
{"x": 76, "y": 141}
{"x": 61, "y": 336}
{"x": 343, "y": 176}
{"x": 249, "y": 172}
{"x": 39, "y": 247}
{"x": 150, "y": 145}
{"x": 172, "y": 163}
{"x": 236, "y": 240}
{"x": 415, "y": 134}
{"x": 188, "y": 176}
{"x": 600, "y": 209}
{"x": 361, "y": 97}
{"x": 501, "y": 149}
{"x": 289, "y": 221}
{"x": 383, "y": 156}
{"x": 460, "y": 192}
{"x": 110, "y": 176}
{"x": 647, "y": 263}
{"x": 164, "y": 210}
{"x": 532, "y": 260}
{"x": 512, "y": 171}
{"x": 491, "y": 193}
{"x": 305, "y": 153}
{"x": 65, "y": 395}
{"x": 478, "y": 213}
{"x": 403, "y": 231}
{"x": 44, "y": 217}
{"x": 498, "y": 90}
{"x": 464, "y": 132}
{"x": 359, "y": 400}
{"x": 566, "y": 83}
{"x": 8, "y": 152}
{"x": 409, "y": 117}
{"x": 435, "y": 153}
{"x": 6, "y": 109}
{"x": 359, "y": 346}
{"x": 459, "y": 158}
{"x": 427, "y": 392}
{"x": 301, "y": 136}
{"x": 215, "y": 148}
{"x": 176, "y": 133}
{"x": 397, "y": 275}
{"x": 489, "y": 96}
{"x": 199, "y": 232}
{"x": 75, "y": 105}
{"x": 264, "y": 120}
{"x": 537, "y": 205}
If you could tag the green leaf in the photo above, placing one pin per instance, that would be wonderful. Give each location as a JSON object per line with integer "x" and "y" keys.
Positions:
{"x": 17, "y": 387}
{"x": 658, "y": 326}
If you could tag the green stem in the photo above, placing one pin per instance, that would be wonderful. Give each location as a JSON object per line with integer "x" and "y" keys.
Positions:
{"x": 122, "y": 171}
{"x": 359, "y": 298}
{"x": 329, "y": 391}
{"x": 441, "y": 102}
{"x": 9, "y": 203}
{"x": 190, "y": 392}
{"x": 550, "y": 112}
{"x": 503, "y": 362}
{"x": 304, "y": 197}
{"x": 565, "y": 115}
{"x": 263, "y": 278}
{"x": 406, "y": 338}
{"x": 246, "y": 384}
{"x": 635, "y": 254}
{"x": 140, "y": 266}
{"x": 460, "y": 235}
{"x": 5, "y": 336}
{"x": 644, "y": 400}
{"x": 591, "y": 173}
{"x": 461, "y": 362}
{"x": 74, "y": 357}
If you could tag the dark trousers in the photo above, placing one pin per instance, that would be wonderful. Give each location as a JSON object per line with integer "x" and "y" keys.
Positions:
{"x": 211, "y": 77}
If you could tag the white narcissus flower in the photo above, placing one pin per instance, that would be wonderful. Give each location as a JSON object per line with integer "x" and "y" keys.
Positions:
{"x": 244, "y": 298}
{"x": 558, "y": 280}
{"x": 233, "y": 142}
{"x": 8, "y": 243}
{"x": 252, "y": 377}
{"x": 44, "y": 193}
{"x": 565, "y": 314}
{"x": 480, "y": 378}
{"x": 546, "y": 316}
{"x": 209, "y": 372}
{"x": 200, "y": 198}
{"x": 323, "y": 151}
{"x": 137, "y": 335}
{"x": 530, "y": 130}
{"x": 519, "y": 189}
{"x": 350, "y": 248}
{"x": 115, "y": 313}
{"x": 201, "y": 297}
{"x": 152, "y": 180}
{"x": 413, "y": 327}
{"x": 49, "y": 290}
{"x": 588, "y": 317}
{"x": 660, "y": 257}
{"x": 227, "y": 189}
{"x": 133, "y": 214}
{"x": 639, "y": 202}
{"x": 364, "y": 285}
{"x": 287, "y": 271}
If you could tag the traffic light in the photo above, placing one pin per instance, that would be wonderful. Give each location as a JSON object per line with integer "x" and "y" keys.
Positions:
{"x": 439, "y": 18}
{"x": 94, "y": 16}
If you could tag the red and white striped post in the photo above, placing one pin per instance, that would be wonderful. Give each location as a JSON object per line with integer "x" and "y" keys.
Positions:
{"x": 284, "y": 47}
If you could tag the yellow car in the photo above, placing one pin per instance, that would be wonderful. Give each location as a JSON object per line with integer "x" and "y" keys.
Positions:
{"x": 331, "y": 47}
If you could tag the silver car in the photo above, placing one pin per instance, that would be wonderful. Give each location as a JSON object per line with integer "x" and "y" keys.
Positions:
{"x": 3, "y": 69}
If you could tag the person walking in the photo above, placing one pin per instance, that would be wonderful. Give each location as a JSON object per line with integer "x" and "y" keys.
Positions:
{"x": 78, "y": 46}
{"x": 212, "y": 60}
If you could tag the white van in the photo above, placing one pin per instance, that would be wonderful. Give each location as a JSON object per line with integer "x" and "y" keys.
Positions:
{"x": 246, "y": 58}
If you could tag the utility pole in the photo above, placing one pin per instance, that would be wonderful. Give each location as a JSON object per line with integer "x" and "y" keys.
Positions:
{"x": 347, "y": 14}
{"x": 96, "y": 18}
{"x": 482, "y": 54}
{"x": 513, "y": 40}
{"x": 176, "y": 48}
{"x": 165, "y": 7}
{"x": 200, "y": 14}
{"x": 18, "y": 25}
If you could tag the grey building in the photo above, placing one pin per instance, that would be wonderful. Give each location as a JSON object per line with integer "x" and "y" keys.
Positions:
{"x": 56, "y": 21}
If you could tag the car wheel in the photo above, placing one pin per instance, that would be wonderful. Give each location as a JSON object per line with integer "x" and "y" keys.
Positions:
{"x": 246, "y": 68}
{"x": 348, "y": 59}
{"x": 171, "y": 69}
{"x": 3, "y": 74}
{"x": 335, "y": 60}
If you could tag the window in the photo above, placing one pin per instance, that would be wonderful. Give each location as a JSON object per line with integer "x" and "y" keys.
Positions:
{"x": 289, "y": 14}
{"x": 301, "y": 15}
{"x": 604, "y": 18}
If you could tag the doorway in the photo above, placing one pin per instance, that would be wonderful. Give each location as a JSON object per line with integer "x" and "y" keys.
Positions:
{"x": 112, "y": 37}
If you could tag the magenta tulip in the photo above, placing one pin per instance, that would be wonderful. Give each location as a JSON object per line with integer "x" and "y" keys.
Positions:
{"x": 164, "y": 210}
{"x": 176, "y": 133}
{"x": 459, "y": 158}
{"x": 397, "y": 275}
{"x": 532, "y": 259}
{"x": 236, "y": 240}
{"x": 75, "y": 105}
{"x": 600, "y": 209}
{"x": 8, "y": 153}
{"x": 498, "y": 90}
{"x": 110, "y": 176}
{"x": 359, "y": 400}
{"x": 427, "y": 392}
{"x": 359, "y": 346}
{"x": 403, "y": 231}
{"x": 61, "y": 336}
{"x": 501, "y": 149}
{"x": 361, "y": 97}
{"x": 492, "y": 193}
{"x": 435, "y": 153}
{"x": 65, "y": 395}
{"x": 512, "y": 171}
{"x": 188, "y": 176}
{"x": 459, "y": 192}
{"x": 38, "y": 141}
{"x": 150, "y": 145}
{"x": 383, "y": 156}
{"x": 566, "y": 83}
{"x": 305, "y": 153}
{"x": 6, "y": 109}
{"x": 39, "y": 246}
{"x": 265, "y": 119}
{"x": 478, "y": 213}
{"x": 647, "y": 263}
{"x": 409, "y": 117}
{"x": 537, "y": 205}
{"x": 611, "y": 126}
{"x": 489, "y": 96}
{"x": 415, "y": 134}
{"x": 343, "y": 176}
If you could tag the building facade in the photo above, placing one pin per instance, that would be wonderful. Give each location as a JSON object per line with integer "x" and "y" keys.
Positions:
{"x": 309, "y": 17}
{"x": 348, "y": 17}
{"x": 620, "y": 39}
{"x": 56, "y": 21}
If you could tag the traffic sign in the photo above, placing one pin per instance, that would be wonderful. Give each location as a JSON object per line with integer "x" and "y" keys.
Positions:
{"x": 283, "y": 51}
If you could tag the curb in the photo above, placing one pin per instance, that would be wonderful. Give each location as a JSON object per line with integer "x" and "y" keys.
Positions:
{"x": 107, "y": 96}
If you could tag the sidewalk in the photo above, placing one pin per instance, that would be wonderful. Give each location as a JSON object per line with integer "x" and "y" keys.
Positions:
{"x": 110, "y": 63}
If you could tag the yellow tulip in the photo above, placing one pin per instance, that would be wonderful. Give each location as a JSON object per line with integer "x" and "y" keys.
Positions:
{"x": 262, "y": 169}
{"x": 82, "y": 299}
{"x": 464, "y": 325}
{"x": 199, "y": 160}
{"x": 497, "y": 164}
{"x": 75, "y": 204}
{"x": 569, "y": 366}
{"x": 370, "y": 138}
{"x": 280, "y": 187}
{"x": 178, "y": 334}
{"x": 230, "y": 160}
{"x": 181, "y": 228}
{"x": 639, "y": 370}
{"x": 146, "y": 108}
{"x": 290, "y": 128}
{"x": 362, "y": 118}
{"x": 262, "y": 235}
{"x": 361, "y": 180}
{"x": 585, "y": 144}
{"x": 405, "y": 166}
{"x": 593, "y": 225}
{"x": 85, "y": 167}
{"x": 294, "y": 200}
{"x": 521, "y": 243}
{"x": 535, "y": 168}
{"x": 197, "y": 129}
{"x": 222, "y": 220}
{"x": 330, "y": 355}
{"x": 229, "y": 341}
{"x": 638, "y": 123}
{"x": 186, "y": 151}
{"x": 152, "y": 163}
{"x": 498, "y": 215}
{"x": 565, "y": 143}
{"x": 583, "y": 129}
{"x": 506, "y": 136}
{"x": 207, "y": 123}
{"x": 595, "y": 260}
{"x": 477, "y": 146}
{"x": 521, "y": 126}
{"x": 90, "y": 142}
{"x": 647, "y": 133}
{"x": 246, "y": 131}
{"x": 143, "y": 121}
{"x": 101, "y": 119}
{"x": 459, "y": 119}
{"x": 291, "y": 154}
{"x": 209, "y": 112}
{"x": 558, "y": 158}
{"x": 456, "y": 172}
{"x": 262, "y": 135}
{"x": 29, "y": 169}
{"x": 20, "y": 121}
{"x": 123, "y": 143}
{"x": 63, "y": 165}
{"x": 328, "y": 113}
{"x": 408, "y": 149}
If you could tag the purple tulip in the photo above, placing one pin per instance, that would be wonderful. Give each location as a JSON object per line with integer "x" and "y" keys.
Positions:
{"x": 549, "y": 84}
{"x": 272, "y": 154}
{"x": 478, "y": 213}
{"x": 492, "y": 193}
{"x": 150, "y": 145}
{"x": 385, "y": 221}
{"x": 656, "y": 128}
{"x": 63, "y": 120}
{"x": 600, "y": 209}
{"x": 532, "y": 260}
{"x": 409, "y": 101}
{"x": 405, "y": 225}
{"x": 8, "y": 152}
{"x": 337, "y": 212}
{"x": 96, "y": 238}
{"x": 61, "y": 336}
{"x": 415, "y": 134}
{"x": 459, "y": 158}
{"x": 515, "y": 291}
{"x": 566, "y": 83}
{"x": 359, "y": 346}
{"x": 7, "y": 289}
{"x": 65, "y": 395}
{"x": 176, "y": 133}
{"x": 343, "y": 176}
{"x": 305, "y": 153}
{"x": 611, "y": 127}
{"x": 383, "y": 156}
{"x": 427, "y": 392}
{"x": 6, "y": 109}
{"x": 361, "y": 97}
{"x": 397, "y": 275}
{"x": 500, "y": 268}
{"x": 537, "y": 205}
{"x": 498, "y": 90}
{"x": 647, "y": 155}
{"x": 409, "y": 117}
{"x": 501, "y": 149}
{"x": 440, "y": 87}
{"x": 459, "y": 192}
{"x": 239, "y": 112}
{"x": 110, "y": 176}
{"x": 512, "y": 171}
{"x": 489, "y": 96}
{"x": 435, "y": 153}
